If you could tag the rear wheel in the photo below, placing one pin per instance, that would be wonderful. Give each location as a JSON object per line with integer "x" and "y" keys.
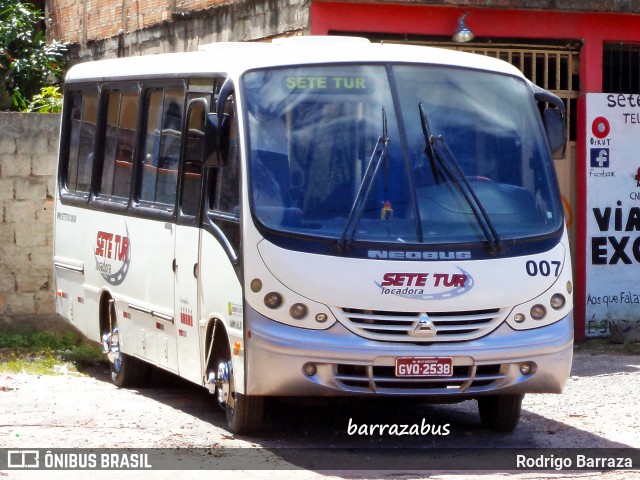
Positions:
{"x": 500, "y": 413}
{"x": 126, "y": 371}
{"x": 244, "y": 412}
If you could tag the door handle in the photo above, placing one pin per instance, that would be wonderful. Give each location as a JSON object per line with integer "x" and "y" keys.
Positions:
{"x": 174, "y": 265}
{"x": 195, "y": 270}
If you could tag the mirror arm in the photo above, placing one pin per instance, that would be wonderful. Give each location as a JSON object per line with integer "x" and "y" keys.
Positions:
{"x": 225, "y": 92}
{"x": 542, "y": 95}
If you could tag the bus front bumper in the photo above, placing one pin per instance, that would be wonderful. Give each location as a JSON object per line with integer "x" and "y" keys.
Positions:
{"x": 287, "y": 361}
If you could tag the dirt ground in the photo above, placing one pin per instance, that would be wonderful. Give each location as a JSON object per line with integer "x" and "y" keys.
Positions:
{"x": 599, "y": 409}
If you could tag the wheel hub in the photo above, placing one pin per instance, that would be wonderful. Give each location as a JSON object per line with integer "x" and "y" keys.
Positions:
{"x": 111, "y": 346}
{"x": 223, "y": 382}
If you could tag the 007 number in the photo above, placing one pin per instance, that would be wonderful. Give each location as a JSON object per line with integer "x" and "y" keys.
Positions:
{"x": 543, "y": 268}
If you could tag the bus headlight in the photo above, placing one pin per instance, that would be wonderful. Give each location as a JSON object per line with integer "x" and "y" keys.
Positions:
{"x": 553, "y": 302}
{"x": 557, "y": 301}
{"x": 298, "y": 311}
{"x": 538, "y": 312}
{"x": 273, "y": 300}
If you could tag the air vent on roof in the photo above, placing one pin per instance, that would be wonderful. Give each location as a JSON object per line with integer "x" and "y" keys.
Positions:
{"x": 317, "y": 39}
{"x": 224, "y": 45}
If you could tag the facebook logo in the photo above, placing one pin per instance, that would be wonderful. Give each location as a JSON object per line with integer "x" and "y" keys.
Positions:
{"x": 600, "y": 157}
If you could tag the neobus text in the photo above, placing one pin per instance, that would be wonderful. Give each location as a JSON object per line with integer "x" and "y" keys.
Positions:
{"x": 400, "y": 255}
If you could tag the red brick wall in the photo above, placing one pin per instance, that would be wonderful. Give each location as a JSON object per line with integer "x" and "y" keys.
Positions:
{"x": 87, "y": 20}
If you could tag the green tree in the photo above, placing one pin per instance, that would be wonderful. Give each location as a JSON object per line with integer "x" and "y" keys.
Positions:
{"x": 27, "y": 62}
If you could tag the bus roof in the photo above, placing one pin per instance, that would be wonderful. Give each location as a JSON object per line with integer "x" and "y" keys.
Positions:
{"x": 233, "y": 58}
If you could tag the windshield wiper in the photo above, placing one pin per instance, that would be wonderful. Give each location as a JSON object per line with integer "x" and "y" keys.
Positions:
{"x": 442, "y": 156}
{"x": 428, "y": 145}
{"x": 378, "y": 155}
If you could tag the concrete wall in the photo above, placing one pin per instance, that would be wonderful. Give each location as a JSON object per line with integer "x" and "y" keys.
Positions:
{"x": 28, "y": 152}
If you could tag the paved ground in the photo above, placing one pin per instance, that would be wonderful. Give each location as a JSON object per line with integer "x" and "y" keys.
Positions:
{"x": 599, "y": 409}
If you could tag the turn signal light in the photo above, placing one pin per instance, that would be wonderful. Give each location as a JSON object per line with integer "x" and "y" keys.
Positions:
{"x": 256, "y": 285}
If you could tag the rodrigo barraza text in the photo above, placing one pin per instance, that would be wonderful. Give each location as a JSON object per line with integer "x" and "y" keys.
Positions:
{"x": 580, "y": 461}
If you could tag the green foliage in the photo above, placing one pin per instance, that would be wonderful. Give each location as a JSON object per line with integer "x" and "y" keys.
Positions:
{"x": 40, "y": 352}
{"x": 49, "y": 100}
{"x": 27, "y": 62}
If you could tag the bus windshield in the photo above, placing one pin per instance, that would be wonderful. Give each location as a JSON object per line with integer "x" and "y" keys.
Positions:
{"x": 341, "y": 152}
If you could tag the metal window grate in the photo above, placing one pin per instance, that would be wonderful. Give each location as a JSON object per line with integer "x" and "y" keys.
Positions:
{"x": 621, "y": 68}
{"x": 553, "y": 68}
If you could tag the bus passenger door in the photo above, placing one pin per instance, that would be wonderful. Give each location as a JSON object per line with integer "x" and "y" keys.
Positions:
{"x": 187, "y": 245}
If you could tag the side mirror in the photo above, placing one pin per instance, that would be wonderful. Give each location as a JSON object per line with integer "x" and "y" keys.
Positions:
{"x": 554, "y": 120}
{"x": 218, "y": 128}
{"x": 555, "y": 127}
{"x": 217, "y": 132}
{"x": 211, "y": 136}
{"x": 226, "y": 91}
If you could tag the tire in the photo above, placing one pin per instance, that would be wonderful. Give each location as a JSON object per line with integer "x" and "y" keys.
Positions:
{"x": 126, "y": 371}
{"x": 244, "y": 412}
{"x": 246, "y": 415}
{"x": 133, "y": 372}
{"x": 500, "y": 413}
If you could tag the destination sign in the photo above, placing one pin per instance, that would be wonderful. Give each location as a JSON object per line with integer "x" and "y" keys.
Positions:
{"x": 328, "y": 84}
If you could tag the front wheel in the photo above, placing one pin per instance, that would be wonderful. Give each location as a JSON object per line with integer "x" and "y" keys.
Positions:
{"x": 126, "y": 371}
{"x": 500, "y": 413}
{"x": 244, "y": 412}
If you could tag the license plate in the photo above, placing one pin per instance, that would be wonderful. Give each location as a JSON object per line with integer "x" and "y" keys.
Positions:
{"x": 424, "y": 367}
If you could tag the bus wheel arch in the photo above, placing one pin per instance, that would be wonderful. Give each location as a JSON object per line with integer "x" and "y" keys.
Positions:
{"x": 244, "y": 412}
{"x": 126, "y": 371}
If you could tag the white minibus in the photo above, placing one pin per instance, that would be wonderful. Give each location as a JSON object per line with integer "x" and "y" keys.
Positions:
{"x": 317, "y": 216}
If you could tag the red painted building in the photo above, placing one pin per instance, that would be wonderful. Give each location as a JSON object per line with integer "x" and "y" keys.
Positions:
{"x": 569, "y": 52}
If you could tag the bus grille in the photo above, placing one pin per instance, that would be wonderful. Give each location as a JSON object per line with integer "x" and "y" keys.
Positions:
{"x": 420, "y": 327}
{"x": 382, "y": 379}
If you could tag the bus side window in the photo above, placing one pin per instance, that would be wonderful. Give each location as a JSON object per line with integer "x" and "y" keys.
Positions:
{"x": 193, "y": 157}
{"x": 81, "y": 139}
{"x": 228, "y": 186}
{"x": 119, "y": 142}
{"x": 223, "y": 181}
{"x": 164, "y": 109}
